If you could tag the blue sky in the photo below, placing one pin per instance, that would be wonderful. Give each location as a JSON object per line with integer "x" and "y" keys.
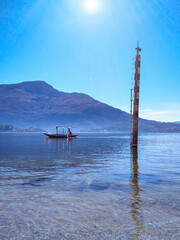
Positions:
{"x": 76, "y": 48}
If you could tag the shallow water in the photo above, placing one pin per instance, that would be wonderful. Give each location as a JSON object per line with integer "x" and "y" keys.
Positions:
{"x": 92, "y": 187}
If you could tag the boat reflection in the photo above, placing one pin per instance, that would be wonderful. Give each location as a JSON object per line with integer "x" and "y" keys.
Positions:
{"x": 135, "y": 195}
{"x": 62, "y": 144}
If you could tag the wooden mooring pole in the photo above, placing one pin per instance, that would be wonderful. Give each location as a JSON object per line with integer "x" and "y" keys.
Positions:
{"x": 131, "y": 120}
{"x": 134, "y": 140}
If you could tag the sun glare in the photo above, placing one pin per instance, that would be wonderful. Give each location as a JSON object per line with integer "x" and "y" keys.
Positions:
{"x": 92, "y": 6}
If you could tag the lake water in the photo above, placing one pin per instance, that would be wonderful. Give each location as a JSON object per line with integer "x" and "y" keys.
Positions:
{"x": 92, "y": 187}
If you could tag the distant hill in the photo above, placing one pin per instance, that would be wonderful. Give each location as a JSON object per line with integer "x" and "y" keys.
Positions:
{"x": 178, "y": 122}
{"x": 149, "y": 126}
{"x": 10, "y": 128}
{"x": 38, "y": 104}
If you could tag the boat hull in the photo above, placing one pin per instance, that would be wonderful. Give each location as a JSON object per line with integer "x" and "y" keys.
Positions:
{"x": 51, "y": 135}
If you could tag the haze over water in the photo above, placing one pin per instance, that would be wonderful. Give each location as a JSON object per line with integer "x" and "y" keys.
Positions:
{"x": 92, "y": 187}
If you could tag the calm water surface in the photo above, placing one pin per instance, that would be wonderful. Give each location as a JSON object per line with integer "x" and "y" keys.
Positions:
{"x": 92, "y": 187}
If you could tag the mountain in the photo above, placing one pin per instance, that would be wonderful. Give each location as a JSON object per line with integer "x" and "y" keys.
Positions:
{"x": 38, "y": 104}
{"x": 10, "y": 128}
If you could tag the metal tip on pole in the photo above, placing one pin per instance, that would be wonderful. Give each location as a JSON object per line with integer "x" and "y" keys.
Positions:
{"x": 138, "y": 49}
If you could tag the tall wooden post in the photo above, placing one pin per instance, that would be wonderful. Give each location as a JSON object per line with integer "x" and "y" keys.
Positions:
{"x": 136, "y": 98}
{"x": 131, "y": 120}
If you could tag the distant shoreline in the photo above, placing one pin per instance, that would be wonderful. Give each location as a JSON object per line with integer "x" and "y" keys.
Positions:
{"x": 5, "y": 128}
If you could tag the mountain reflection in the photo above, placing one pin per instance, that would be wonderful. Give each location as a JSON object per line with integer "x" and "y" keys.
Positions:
{"x": 135, "y": 194}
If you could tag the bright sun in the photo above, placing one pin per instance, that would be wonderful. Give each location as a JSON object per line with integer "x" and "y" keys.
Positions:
{"x": 92, "y": 6}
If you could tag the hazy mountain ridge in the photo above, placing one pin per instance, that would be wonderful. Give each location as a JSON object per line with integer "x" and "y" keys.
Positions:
{"x": 39, "y": 104}
{"x": 30, "y": 103}
{"x": 10, "y": 128}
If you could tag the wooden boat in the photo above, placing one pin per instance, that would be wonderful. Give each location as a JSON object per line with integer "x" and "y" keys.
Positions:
{"x": 51, "y": 135}
{"x": 62, "y": 134}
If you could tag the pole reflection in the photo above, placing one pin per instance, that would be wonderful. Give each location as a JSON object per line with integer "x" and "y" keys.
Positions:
{"x": 135, "y": 194}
